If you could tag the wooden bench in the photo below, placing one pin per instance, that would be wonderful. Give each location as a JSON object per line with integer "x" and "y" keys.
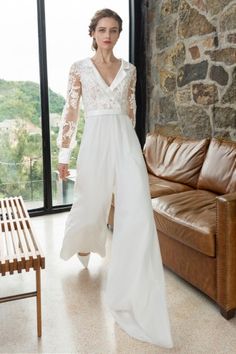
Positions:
{"x": 19, "y": 249}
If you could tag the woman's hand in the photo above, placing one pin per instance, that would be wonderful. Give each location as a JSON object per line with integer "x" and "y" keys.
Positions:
{"x": 63, "y": 171}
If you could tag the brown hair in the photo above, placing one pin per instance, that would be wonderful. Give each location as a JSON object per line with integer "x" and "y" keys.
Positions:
{"x": 97, "y": 17}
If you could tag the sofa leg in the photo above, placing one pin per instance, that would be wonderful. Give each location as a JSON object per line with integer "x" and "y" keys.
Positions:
{"x": 227, "y": 314}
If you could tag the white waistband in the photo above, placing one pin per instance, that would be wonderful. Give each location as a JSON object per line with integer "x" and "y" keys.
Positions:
{"x": 100, "y": 112}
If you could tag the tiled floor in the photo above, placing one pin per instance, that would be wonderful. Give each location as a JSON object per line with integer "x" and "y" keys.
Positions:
{"x": 76, "y": 319}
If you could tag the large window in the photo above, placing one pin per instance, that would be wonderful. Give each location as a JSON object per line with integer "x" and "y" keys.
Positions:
{"x": 20, "y": 125}
{"x": 22, "y": 160}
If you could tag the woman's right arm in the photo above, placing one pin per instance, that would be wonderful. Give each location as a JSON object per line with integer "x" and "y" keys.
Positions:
{"x": 66, "y": 139}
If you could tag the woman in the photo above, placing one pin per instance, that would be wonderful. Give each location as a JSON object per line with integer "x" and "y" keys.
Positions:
{"x": 110, "y": 161}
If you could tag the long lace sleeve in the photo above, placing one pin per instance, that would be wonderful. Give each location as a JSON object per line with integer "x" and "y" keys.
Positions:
{"x": 131, "y": 98}
{"x": 66, "y": 139}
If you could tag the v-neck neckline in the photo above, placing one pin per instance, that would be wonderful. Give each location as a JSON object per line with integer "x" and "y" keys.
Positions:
{"x": 97, "y": 72}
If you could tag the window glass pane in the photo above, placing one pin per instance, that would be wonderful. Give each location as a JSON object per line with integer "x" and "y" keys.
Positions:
{"x": 68, "y": 41}
{"x": 20, "y": 124}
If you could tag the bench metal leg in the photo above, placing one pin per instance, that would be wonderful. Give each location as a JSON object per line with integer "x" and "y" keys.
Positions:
{"x": 38, "y": 298}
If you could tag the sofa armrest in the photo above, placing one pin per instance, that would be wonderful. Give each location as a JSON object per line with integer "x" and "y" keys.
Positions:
{"x": 226, "y": 250}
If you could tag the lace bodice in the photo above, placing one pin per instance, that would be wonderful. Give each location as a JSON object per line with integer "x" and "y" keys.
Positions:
{"x": 85, "y": 81}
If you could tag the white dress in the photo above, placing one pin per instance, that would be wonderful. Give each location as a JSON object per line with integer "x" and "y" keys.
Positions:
{"x": 110, "y": 161}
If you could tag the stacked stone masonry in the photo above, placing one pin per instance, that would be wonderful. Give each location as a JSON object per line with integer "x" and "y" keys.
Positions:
{"x": 191, "y": 67}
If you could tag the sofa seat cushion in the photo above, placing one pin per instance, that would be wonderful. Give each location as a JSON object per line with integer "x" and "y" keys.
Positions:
{"x": 159, "y": 186}
{"x": 188, "y": 217}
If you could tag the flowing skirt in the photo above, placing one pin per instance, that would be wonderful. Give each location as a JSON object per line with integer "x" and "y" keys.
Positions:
{"x": 111, "y": 161}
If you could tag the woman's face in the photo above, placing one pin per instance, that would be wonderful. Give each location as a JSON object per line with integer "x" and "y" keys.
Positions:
{"x": 106, "y": 33}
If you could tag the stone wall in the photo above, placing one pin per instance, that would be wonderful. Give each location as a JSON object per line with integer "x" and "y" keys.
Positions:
{"x": 191, "y": 67}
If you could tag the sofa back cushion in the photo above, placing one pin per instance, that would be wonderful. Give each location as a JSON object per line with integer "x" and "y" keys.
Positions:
{"x": 218, "y": 172}
{"x": 177, "y": 159}
{"x": 155, "y": 149}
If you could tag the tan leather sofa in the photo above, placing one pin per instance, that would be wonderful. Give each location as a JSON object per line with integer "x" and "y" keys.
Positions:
{"x": 193, "y": 190}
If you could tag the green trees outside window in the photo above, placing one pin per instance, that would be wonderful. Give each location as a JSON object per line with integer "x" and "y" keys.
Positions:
{"x": 21, "y": 166}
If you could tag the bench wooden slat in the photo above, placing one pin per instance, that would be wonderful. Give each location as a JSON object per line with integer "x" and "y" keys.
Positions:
{"x": 39, "y": 251}
{"x": 26, "y": 230}
{"x": 20, "y": 234}
{"x": 29, "y": 235}
{"x": 3, "y": 253}
{"x": 7, "y": 243}
{"x": 2, "y": 247}
{"x": 15, "y": 240}
{"x": 9, "y": 252}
